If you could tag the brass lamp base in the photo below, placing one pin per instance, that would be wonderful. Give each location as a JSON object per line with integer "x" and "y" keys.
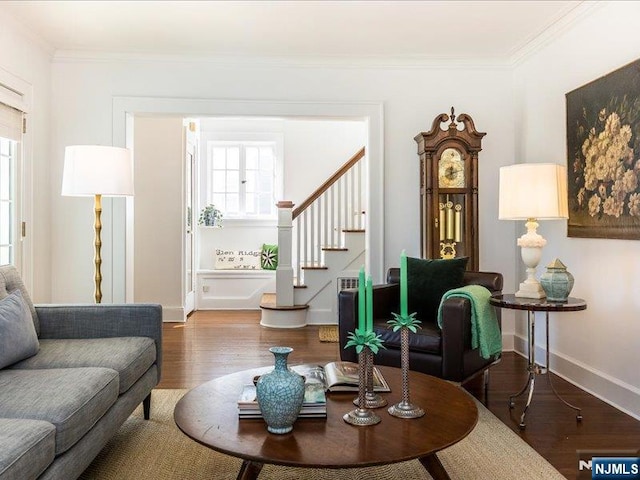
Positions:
{"x": 97, "y": 259}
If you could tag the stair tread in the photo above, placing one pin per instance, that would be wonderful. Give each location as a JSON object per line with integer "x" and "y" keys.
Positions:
{"x": 268, "y": 301}
{"x": 314, "y": 267}
{"x": 335, "y": 249}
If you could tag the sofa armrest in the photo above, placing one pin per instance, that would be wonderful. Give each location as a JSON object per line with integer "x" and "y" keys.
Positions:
{"x": 347, "y": 321}
{"x": 103, "y": 321}
{"x": 490, "y": 280}
{"x": 456, "y": 335}
{"x": 386, "y": 299}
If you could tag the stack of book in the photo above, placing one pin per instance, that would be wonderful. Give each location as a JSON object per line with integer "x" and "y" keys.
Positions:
{"x": 314, "y": 405}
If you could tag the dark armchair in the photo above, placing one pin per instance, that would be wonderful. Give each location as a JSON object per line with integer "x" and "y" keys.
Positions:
{"x": 445, "y": 353}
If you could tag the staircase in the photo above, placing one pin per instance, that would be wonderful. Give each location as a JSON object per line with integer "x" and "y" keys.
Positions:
{"x": 321, "y": 247}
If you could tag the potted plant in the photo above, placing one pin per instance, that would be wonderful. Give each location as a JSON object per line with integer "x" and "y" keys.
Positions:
{"x": 210, "y": 216}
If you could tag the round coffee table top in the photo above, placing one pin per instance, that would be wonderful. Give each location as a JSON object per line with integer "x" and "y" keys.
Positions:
{"x": 209, "y": 415}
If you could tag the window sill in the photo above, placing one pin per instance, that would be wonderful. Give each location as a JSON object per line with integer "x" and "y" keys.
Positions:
{"x": 245, "y": 223}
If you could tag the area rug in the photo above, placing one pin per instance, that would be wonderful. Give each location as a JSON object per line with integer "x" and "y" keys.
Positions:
{"x": 156, "y": 450}
{"x": 328, "y": 333}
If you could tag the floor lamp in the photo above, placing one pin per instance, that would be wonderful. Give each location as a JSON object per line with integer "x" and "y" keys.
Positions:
{"x": 97, "y": 171}
{"x": 532, "y": 192}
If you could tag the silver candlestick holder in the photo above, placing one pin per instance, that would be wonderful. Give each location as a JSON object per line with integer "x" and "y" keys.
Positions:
{"x": 405, "y": 409}
{"x": 362, "y": 416}
{"x": 371, "y": 398}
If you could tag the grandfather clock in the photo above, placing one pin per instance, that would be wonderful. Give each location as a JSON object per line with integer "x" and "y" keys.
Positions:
{"x": 449, "y": 188}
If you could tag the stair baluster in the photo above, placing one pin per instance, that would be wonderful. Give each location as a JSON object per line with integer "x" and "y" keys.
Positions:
{"x": 320, "y": 220}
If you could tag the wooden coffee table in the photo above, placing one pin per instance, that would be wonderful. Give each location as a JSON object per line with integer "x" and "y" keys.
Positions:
{"x": 208, "y": 414}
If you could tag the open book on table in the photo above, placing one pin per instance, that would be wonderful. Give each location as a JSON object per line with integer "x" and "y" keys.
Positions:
{"x": 340, "y": 376}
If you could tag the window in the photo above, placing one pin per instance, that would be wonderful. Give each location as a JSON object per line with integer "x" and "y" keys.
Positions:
{"x": 8, "y": 234}
{"x": 241, "y": 178}
{"x": 10, "y": 136}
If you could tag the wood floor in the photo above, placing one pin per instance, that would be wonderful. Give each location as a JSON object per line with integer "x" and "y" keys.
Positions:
{"x": 212, "y": 344}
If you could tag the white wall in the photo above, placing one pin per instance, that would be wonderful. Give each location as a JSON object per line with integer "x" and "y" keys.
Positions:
{"x": 411, "y": 97}
{"x": 314, "y": 150}
{"x": 28, "y": 60}
{"x": 159, "y": 214}
{"x": 599, "y": 348}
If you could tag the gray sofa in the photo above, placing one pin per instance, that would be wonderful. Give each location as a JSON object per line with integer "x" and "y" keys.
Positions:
{"x": 94, "y": 364}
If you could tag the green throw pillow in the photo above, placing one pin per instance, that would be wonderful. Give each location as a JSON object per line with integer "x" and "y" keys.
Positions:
{"x": 269, "y": 257}
{"x": 427, "y": 282}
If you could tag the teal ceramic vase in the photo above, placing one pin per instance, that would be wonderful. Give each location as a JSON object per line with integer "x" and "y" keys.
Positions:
{"x": 556, "y": 282}
{"x": 280, "y": 393}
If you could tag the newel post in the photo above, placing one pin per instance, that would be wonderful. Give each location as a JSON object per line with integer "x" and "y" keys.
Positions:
{"x": 284, "y": 272}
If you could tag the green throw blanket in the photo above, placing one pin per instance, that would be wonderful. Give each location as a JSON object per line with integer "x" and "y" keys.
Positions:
{"x": 485, "y": 331}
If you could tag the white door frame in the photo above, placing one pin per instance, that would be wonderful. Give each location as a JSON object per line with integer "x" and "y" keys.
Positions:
{"x": 18, "y": 93}
{"x": 190, "y": 155}
{"x": 372, "y": 113}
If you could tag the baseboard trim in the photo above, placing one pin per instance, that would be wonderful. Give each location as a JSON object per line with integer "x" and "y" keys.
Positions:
{"x": 320, "y": 316}
{"x": 507, "y": 342}
{"x": 618, "y": 394}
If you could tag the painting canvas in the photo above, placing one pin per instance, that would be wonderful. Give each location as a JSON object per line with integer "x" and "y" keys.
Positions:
{"x": 603, "y": 148}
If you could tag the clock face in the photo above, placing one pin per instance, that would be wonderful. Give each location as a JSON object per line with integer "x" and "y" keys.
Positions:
{"x": 451, "y": 169}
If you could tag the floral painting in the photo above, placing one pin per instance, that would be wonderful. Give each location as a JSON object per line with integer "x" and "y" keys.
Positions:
{"x": 603, "y": 143}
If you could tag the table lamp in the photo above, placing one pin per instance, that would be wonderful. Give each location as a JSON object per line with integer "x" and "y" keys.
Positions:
{"x": 532, "y": 192}
{"x": 95, "y": 170}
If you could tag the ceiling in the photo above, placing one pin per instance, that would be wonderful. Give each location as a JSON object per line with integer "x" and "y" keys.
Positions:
{"x": 398, "y": 29}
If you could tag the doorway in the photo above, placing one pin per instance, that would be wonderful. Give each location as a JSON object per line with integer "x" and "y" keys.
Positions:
{"x": 126, "y": 108}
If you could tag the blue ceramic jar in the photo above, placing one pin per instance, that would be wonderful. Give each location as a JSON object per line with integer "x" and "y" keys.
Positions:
{"x": 556, "y": 282}
{"x": 280, "y": 393}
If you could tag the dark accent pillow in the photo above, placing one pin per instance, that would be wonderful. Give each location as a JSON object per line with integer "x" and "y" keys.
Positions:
{"x": 269, "y": 257}
{"x": 18, "y": 339}
{"x": 427, "y": 282}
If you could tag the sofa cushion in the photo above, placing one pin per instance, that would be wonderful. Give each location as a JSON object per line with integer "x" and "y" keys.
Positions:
{"x": 129, "y": 356}
{"x": 72, "y": 399}
{"x": 427, "y": 339}
{"x": 10, "y": 281}
{"x": 18, "y": 339}
{"x": 428, "y": 280}
{"x": 27, "y": 447}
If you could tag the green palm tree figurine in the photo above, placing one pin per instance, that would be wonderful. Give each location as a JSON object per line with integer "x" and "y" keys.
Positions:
{"x": 404, "y": 323}
{"x": 373, "y": 344}
{"x": 366, "y": 343}
{"x": 409, "y": 321}
{"x": 361, "y": 339}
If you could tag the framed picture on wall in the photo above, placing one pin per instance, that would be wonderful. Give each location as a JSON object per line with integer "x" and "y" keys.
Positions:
{"x": 603, "y": 156}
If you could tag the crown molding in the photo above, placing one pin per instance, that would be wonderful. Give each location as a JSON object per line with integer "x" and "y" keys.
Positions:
{"x": 328, "y": 61}
{"x": 558, "y": 25}
{"x": 563, "y": 22}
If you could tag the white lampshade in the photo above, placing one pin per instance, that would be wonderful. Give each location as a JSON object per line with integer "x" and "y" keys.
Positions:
{"x": 533, "y": 190}
{"x": 97, "y": 170}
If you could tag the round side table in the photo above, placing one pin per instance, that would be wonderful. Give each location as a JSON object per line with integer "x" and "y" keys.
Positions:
{"x": 532, "y": 305}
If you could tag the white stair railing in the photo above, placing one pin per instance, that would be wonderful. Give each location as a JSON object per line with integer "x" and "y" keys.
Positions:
{"x": 320, "y": 220}
{"x": 284, "y": 271}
